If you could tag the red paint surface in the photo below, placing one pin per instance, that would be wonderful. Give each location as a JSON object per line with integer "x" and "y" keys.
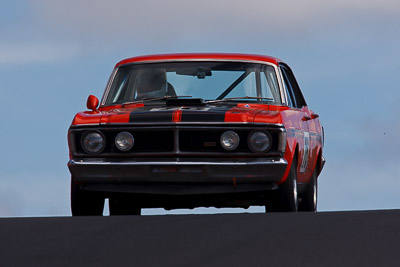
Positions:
{"x": 243, "y": 112}
{"x": 177, "y": 115}
{"x": 92, "y": 102}
{"x": 87, "y": 117}
{"x": 200, "y": 56}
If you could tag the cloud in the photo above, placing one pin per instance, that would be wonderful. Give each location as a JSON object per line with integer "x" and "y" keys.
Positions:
{"x": 157, "y": 20}
{"x": 34, "y": 194}
{"x": 60, "y": 30}
{"x": 25, "y": 53}
{"x": 362, "y": 170}
{"x": 358, "y": 184}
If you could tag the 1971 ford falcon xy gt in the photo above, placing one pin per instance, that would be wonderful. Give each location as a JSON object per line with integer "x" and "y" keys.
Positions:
{"x": 191, "y": 130}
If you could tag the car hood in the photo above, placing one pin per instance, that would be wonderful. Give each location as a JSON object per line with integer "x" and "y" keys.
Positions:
{"x": 180, "y": 114}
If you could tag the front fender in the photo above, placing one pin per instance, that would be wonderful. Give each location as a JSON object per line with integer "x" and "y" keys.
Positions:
{"x": 290, "y": 152}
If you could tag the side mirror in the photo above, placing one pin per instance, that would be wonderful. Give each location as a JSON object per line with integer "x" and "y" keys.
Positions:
{"x": 92, "y": 102}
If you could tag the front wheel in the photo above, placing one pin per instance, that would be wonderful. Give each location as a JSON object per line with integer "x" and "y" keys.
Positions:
{"x": 285, "y": 197}
{"x": 85, "y": 203}
{"x": 309, "y": 197}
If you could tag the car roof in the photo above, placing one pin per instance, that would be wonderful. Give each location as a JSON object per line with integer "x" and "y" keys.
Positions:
{"x": 199, "y": 56}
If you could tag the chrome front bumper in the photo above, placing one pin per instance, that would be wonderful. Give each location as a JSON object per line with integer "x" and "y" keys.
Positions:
{"x": 240, "y": 171}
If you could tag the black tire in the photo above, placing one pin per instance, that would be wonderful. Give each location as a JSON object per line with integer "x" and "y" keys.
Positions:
{"x": 285, "y": 198}
{"x": 122, "y": 206}
{"x": 309, "y": 197}
{"x": 85, "y": 203}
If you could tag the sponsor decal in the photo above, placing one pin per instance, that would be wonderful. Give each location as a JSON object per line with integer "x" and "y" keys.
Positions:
{"x": 306, "y": 153}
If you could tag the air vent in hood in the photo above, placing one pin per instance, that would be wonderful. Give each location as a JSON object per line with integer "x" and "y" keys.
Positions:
{"x": 185, "y": 102}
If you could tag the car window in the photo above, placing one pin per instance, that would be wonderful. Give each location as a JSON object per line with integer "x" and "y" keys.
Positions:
{"x": 270, "y": 82}
{"x": 295, "y": 95}
{"x": 289, "y": 92}
{"x": 251, "y": 82}
{"x": 289, "y": 97}
{"x": 206, "y": 80}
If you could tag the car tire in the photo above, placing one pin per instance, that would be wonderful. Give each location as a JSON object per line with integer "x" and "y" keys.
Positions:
{"x": 85, "y": 203}
{"x": 285, "y": 198}
{"x": 309, "y": 197}
{"x": 121, "y": 206}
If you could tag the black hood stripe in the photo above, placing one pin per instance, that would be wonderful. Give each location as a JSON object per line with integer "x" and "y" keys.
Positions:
{"x": 155, "y": 116}
{"x": 203, "y": 116}
{"x": 188, "y": 114}
{"x": 151, "y": 114}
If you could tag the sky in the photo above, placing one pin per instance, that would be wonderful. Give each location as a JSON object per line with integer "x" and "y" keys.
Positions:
{"x": 344, "y": 53}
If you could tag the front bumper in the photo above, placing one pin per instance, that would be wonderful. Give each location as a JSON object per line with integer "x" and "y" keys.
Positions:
{"x": 237, "y": 171}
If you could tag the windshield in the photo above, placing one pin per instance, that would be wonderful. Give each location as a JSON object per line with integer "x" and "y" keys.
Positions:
{"x": 206, "y": 80}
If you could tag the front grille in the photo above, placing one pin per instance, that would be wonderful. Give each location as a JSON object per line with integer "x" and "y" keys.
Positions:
{"x": 145, "y": 141}
{"x": 209, "y": 141}
{"x": 172, "y": 141}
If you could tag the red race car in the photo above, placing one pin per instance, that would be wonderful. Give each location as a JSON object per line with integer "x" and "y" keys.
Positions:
{"x": 191, "y": 130}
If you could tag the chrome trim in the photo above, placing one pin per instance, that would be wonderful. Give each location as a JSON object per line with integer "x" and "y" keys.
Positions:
{"x": 108, "y": 86}
{"x": 283, "y": 87}
{"x": 183, "y": 124}
{"x": 179, "y": 170}
{"x": 74, "y": 126}
{"x": 254, "y": 162}
{"x": 177, "y": 123}
{"x": 278, "y": 74}
{"x": 323, "y": 163}
{"x": 176, "y": 154}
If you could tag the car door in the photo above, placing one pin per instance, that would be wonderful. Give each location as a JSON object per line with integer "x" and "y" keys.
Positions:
{"x": 301, "y": 128}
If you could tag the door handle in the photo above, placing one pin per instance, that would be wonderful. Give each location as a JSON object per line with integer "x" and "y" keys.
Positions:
{"x": 314, "y": 116}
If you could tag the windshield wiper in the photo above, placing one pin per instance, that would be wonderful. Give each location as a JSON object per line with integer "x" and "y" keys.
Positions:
{"x": 150, "y": 99}
{"x": 238, "y": 98}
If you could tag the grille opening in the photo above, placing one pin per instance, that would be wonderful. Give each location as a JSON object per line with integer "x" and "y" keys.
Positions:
{"x": 148, "y": 141}
{"x": 193, "y": 140}
{"x": 208, "y": 141}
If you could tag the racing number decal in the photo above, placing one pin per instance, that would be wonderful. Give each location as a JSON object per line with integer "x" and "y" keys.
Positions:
{"x": 306, "y": 153}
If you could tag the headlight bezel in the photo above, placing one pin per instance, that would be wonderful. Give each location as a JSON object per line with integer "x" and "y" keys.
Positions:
{"x": 252, "y": 148}
{"x": 235, "y": 135}
{"x": 130, "y": 145}
{"x": 84, "y": 147}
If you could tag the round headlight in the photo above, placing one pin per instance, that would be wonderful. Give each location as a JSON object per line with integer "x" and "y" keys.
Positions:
{"x": 124, "y": 141}
{"x": 93, "y": 142}
{"x": 229, "y": 140}
{"x": 259, "y": 141}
